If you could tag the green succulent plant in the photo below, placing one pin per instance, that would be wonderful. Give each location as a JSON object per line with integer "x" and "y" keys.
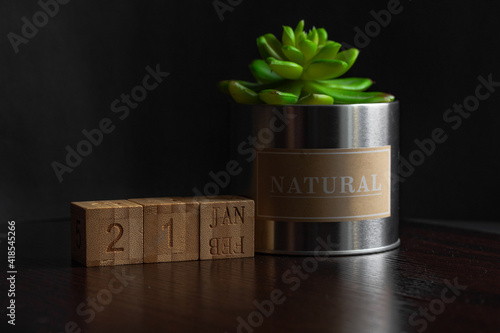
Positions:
{"x": 302, "y": 68}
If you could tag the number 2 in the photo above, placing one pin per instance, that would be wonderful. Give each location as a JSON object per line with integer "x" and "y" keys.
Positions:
{"x": 111, "y": 247}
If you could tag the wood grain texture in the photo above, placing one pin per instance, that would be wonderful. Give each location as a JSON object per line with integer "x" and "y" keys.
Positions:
{"x": 107, "y": 232}
{"x": 376, "y": 293}
{"x": 171, "y": 229}
{"x": 226, "y": 227}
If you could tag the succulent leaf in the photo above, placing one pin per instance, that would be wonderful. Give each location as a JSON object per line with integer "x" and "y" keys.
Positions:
{"x": 323, "y": 36}
{"x": 324, "y": 69}
{"x": 299, "y": 29}
{"x": 308, "y": 48}
{"x": 313, "y": 36}
{"x": 349, "y": 83}
{"x": 316, "y": 99}
{"x": 286, "y": 69}
{"x": 263, "y": 47}
{"x": 224, "y": 85}
{"x": 262, "y": 72}
{"x": 291, "y": 86}
{"x": 276, "y": 97}
{"x": 342, "y": 96}
{"x": 329, "y": 51}
{"x": 242, "y": 94}
{"x": 349, "y": 56}
{"x": 275, "y": 44}
{"x": 288, "y": 38}
{"x": 293, "y": 54}
{"x": 269, "y": 46}
{"x": 300, "y": 38}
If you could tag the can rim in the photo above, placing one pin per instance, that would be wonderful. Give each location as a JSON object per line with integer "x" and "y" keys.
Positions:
{"x": 314, "y": 105}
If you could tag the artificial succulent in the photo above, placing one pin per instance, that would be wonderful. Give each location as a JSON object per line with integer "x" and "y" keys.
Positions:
{"x": 302, "y": 68}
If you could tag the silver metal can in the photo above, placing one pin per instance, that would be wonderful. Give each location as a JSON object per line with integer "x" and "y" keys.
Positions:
{"x": 322, "y": 177}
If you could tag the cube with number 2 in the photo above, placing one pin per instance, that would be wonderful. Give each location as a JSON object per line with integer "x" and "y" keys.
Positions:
{"x": 107, "y": 232}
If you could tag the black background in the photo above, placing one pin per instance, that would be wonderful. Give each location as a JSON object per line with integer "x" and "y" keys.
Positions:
{"x": 65, "y": 78}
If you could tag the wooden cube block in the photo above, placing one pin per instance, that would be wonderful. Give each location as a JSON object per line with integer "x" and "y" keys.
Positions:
{"x": 226, "y": 227}
{"x": 106, "y": 232}
{"x": 171, "y": 229}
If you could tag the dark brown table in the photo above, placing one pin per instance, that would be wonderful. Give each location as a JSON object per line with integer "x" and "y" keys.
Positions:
{"x": 441, "y": 279}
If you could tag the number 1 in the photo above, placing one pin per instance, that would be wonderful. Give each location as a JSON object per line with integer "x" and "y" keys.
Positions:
{"x": 170, "y": 231}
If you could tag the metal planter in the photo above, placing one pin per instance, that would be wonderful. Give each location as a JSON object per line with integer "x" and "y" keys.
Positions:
{"x": 320, "y": 176}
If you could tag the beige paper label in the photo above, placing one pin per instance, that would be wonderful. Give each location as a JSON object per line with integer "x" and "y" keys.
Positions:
{"x": 323, "y": 185}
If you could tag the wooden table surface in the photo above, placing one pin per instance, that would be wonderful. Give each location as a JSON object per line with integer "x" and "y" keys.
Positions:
{"x": 440, "y": 280}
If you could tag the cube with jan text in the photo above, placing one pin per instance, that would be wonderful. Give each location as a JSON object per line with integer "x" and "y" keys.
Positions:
{"x": 107, "y": 232}
{"x": 171, "y": 229}
{"x": 226, "y": 227}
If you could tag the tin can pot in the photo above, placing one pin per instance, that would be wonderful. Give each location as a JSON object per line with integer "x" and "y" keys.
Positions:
{"x": 320, "y": 176}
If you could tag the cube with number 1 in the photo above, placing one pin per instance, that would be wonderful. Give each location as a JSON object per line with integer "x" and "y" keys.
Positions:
{"x": 171, "y": 229}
